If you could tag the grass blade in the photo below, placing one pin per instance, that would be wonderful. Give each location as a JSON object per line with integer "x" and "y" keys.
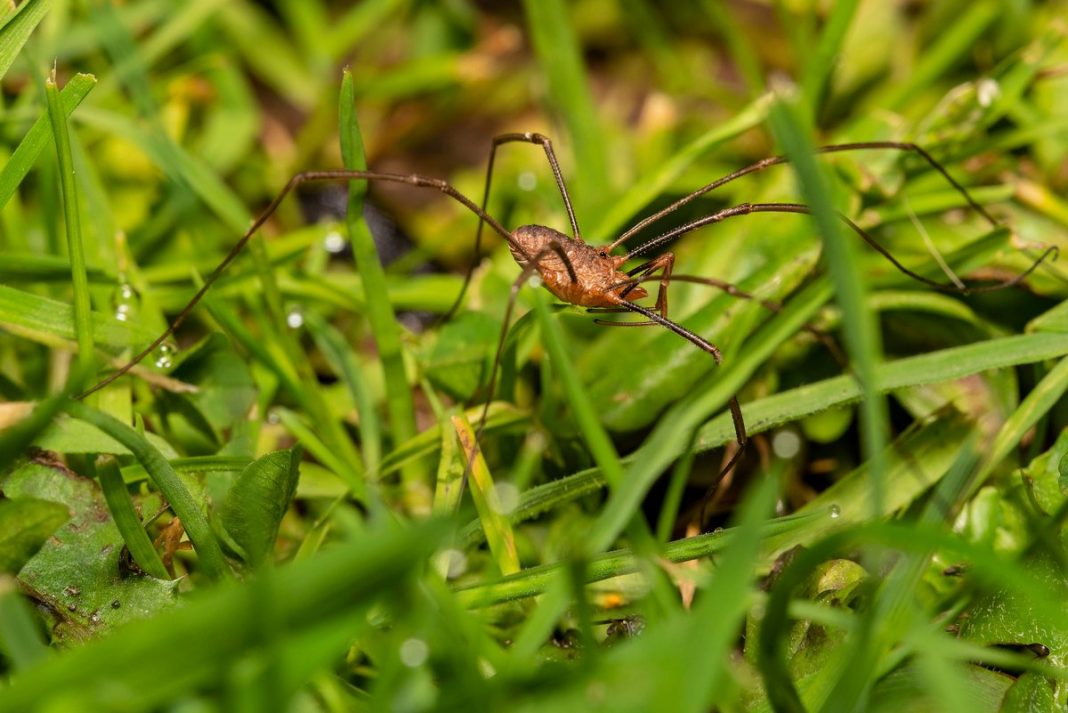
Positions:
{"x": 820, "y": 65}
{"x": 861, "y": 332}
{"x": 25, "y": 155}
{"x": 83, "y": 323}
{"x": 126, "y": 519}
{"x": 17, "y": 28}
{"x": 379, "y": 311}
{"x": 164, "y": 477}
{"x": 498, "y": 530}
{"x": 556, "y": 46}
{"x": 341, "y": 360}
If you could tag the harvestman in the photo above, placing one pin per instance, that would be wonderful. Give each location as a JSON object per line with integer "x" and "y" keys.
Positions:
{"x": 591, "y": 276}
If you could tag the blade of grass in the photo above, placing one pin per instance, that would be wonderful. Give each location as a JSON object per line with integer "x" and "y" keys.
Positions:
{"x": 168, "y": 482}
{"x": 269, "y": 54}
{"x": 51, "y": 321}
{"x": 957, "y": 41}
{"x": 650, "y": 186}
{"x": 954, "y": 363}
{"x": 122, "y": 512}
{"x": 820, "y": 64}
{"x": 292, "y": 353}
{"x": 448, "y": 484}
{"x": 25, "y": 155}
{"x": 988, "y": 568}
{"x": 557, "y": 49}
{"x": 17, "y": 28}
{"x": 324, "y": 454}
{"x": 83, "y": 323}
{"x": 340, "y": 357}
{"x": 1037, "y": 403}
{"x": 742, "y": 53}
{"x": 533, "y": 581}
{"x": 499, "y": 535}
{"x": 380, "y": 314}
{"x": 178, "y": 164}
{"x": 862, "y": 340}
{"x": 673, "y": 430}
{"x": 765, "y": 414}
{"x": 597, "y": 440}
{"x": 701, "y": 670}
{"x": 15, "y": 438}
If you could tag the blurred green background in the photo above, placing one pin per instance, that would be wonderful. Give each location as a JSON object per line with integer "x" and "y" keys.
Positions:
{"x": 269, "y": 513}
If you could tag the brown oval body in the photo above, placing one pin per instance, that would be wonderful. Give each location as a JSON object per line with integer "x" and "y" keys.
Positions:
{"x": 599, "y": 280}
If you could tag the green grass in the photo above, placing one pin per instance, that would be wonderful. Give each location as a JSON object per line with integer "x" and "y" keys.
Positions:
{"x": 275, "y": 512}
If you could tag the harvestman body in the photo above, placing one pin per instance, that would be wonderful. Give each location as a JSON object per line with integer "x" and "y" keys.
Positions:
{"x": 587, "y": 276}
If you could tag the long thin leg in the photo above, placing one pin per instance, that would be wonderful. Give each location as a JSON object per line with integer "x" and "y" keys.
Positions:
{"x": 779, "y": 160}
{"x": 706, "y": 346}
{"x": 749, "y": 208}
{"x": 528, "y": 270}
{"x": 558, "y": 175}
{"x": 770, "y": 305}
{"x": 735, "y": 408}
{"x": 734, "y": 291}
{"x": 300, "y": 178}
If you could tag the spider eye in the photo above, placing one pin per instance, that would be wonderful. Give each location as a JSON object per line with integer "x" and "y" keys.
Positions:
{"x": 603, "y": 254}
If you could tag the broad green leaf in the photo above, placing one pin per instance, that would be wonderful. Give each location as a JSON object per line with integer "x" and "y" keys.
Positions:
{"x": 258, "y": 499}
{"x": 25, "y": 525}
{"x": 80, "y": 573}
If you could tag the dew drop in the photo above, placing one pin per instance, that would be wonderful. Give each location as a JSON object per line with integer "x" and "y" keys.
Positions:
{"x": 786, "y": 444}
{"x": 414, "y": 652}
{"x": 295, "y": 319}
{"x": 124, "y": 301}
{"x": 334, "y": 242}
{"x": 450, "y": 563}
{"x": 165, "y": 356}
{"x": 987, "y": 91}
{"x": 836, "y": 512}
{"x": 504, "y": 498}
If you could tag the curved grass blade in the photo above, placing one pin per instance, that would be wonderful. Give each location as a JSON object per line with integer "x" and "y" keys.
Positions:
{"x": 164, "y": 477}
{"x": 122, "y": 512}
